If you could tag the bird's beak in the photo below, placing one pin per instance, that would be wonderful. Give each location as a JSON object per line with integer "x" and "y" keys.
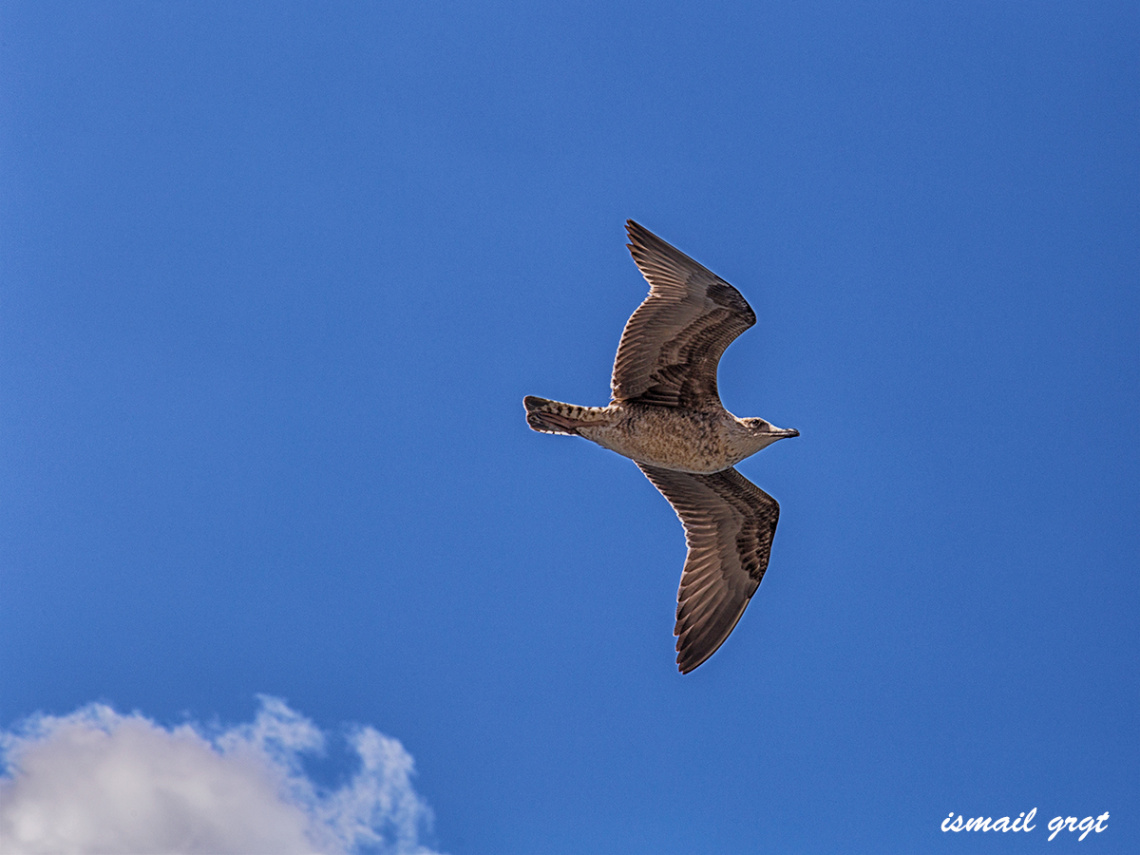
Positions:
{"x": 781, "y": 433}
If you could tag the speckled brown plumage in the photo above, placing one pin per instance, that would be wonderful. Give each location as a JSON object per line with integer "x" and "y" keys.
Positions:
{"x": 666, "y": 415}
{"x": 729, "y": 524}
{"x": 672, "y": 343}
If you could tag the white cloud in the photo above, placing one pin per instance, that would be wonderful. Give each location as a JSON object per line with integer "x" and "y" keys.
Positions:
{"x": 96, "y": 781}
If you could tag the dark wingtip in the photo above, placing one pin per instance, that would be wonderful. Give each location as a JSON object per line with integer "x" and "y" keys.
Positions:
{"x": 686, "y": 665}
{"x": 636, "y": 233}
{"x": 688, "y": 657}
{"x": 643, "y": 242}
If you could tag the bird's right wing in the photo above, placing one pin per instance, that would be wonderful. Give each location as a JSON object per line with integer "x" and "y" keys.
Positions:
{"x": 729, "y": 524}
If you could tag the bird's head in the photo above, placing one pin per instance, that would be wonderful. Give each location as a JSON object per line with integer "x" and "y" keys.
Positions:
{"x": 760, "y": 428}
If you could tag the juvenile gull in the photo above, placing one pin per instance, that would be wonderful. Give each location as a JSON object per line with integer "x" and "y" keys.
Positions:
{"x": 667, "y": 417}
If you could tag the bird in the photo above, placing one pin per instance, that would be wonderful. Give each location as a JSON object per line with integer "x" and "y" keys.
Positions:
{"x": 666, "y": 415}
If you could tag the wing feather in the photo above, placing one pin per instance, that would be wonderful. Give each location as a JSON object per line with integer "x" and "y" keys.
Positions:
{"x": 673, "y": 342}
{"x": 729, "y": 524}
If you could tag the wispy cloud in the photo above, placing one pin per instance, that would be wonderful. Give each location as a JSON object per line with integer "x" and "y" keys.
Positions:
{"x": 96, "y": 781}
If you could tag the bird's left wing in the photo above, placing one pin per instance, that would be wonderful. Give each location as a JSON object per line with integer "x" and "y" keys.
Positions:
{"x": 672, "y": 344}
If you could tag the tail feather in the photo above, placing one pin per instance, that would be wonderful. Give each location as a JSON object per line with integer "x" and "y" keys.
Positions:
{"x": 548, "y": 416}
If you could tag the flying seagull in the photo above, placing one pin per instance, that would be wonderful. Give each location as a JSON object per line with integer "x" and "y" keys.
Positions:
{"x": 667, "y": 417}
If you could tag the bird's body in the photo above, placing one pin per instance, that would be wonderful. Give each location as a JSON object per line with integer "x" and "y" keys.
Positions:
{"x": 667, "y": 417}
{"x": 697, "y": 441}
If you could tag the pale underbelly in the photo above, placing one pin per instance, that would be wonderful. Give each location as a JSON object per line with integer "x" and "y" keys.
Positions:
{"x": 667, "y": 440}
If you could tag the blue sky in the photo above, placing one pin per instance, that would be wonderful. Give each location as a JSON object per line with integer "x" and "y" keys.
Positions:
{"x": 275, "y": 277}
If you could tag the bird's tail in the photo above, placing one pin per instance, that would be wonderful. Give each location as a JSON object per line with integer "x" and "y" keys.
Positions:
{"x": 555, "y": 417}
